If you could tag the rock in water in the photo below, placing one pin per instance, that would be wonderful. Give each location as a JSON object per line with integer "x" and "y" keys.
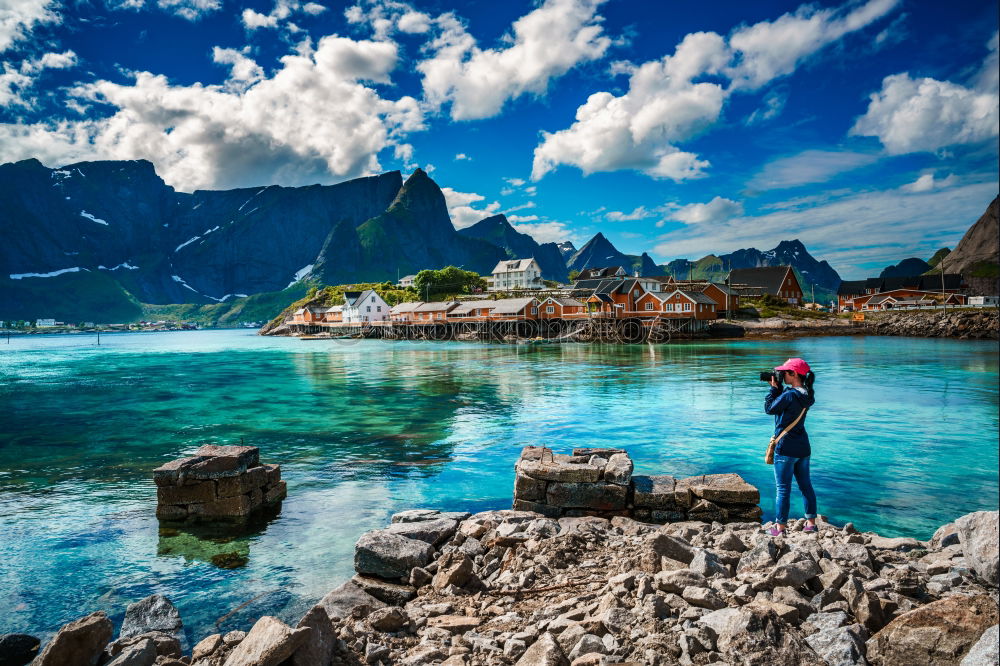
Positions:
{"x": 154, "y": 613}
{"x": 978, "y": 533}
{"x": 937, "y": 634}
{"x": 140, "y": 653}
{"x": 268, "y": 643}
{"x": 543, "y": 652}
{"x": 386, "y": 555}
{"x": 81, "y": 642}
{"x": 986, "y": 652}
{"x": 17, "y": 649}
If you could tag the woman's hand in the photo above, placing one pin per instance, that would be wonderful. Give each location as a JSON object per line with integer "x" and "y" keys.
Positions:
{"x": 774, "y": 383}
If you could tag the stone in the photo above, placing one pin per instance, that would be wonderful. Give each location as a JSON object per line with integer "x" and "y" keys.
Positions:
{"x": 388, "y": 619}
{"x": 864, "y": 605}
{"x": 600, "y": 496}
{"x": 706, "y": 511}
{"x": 374, "y": 653}
{"x": 255, "y": 477}
{"x": 851, "y": 553}
{"x": 537, "y": 507}
{"x": 942, "y": 632}
{"x": 453, "y": 569}
{"x": 543, "y": 652}
{"x": 840, "y": 646}
{"x": 247, "y": 456}
{"x": 527, "y": 488}
{"x": 588, "y": 644}
{"x": 946, "y": 535}
{"x": 741, "y": 512}
{"x": 348, "y": 600}
{"x": 654, "y": 492}
{"x": 619, "y": 469}
{"x": 394, "y": 594}
{"x": 673, "y": 547}
{"x": 455, "y": 624}
{"x": 683, "y": 497}
{"x": 206, "y": 646}
{"x": 140, "y": 653}
{"x": 666, "y": 516}
{"x": 268, "y": 643}
{"x": 171, "y": 473}
{"x": 227, "y": 507}
{"x": 725, "y": 623}
{"x": 433, "y": 532}
{"x": 171, "y": 512}
{"x": 726, "y": 489}
{"x": 902, "y": 544}
{"x": 708, "y": 564}
{"x": 80, "y": 642}
{"x": 201, "y": 492}
{"x": 679, "y": 580}
{"x": 317, "y": 648}
{"x": 273, "y": 473}
{"x": 986, "y": 651}
{"x": 786, "y": 612}
{"x": 275, "y": 493}
{"x": 758, "y": 558}
{"x": 154, "y": 613}
{"x": 563, "y": 472}
{"x": 602, "y": 452}
{"x": 824, "y": 621}
{"x": 17, "y": 649}
{"x": 233, "y": 637}
{"x": 415, "y": 515}
{"x": 387, "y": 555}
{"x": 793, "y": 575}
{"x": 165, "y": 645}
{"x": 978, "y": 533}
{"x": 703, "y": 597}
{"x": 420, "y": 577}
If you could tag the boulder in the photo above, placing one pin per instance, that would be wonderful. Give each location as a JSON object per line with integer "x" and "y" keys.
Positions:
{"x": 759, "y": 558}
{"x": 317, "y": 648}
{"x": 206, "y": 646}
{"x": 140, "y": 653}
{"x": 80, "y": 642}
{"x": 453, "y": 569}
{"x": 348, "y": 600}
{"x": 154, "y": 613}
{"x": 708, "y": 564}
{"x": 978, "y": 533}
{"x": 946, "y": 535}
{"x": 394, "y": 594}
{"x": 986, "y": 651}
{"x": 268, "y": 643}
{"x": 529, "y": 489}
{"x": 433, "y": 532}
{"x": 455, "y": 624}
{"x": 560, "y": 470}
{"x": 673, "y": 547}
{"x": 17, "y": 649}
{"x": 679, "y": 580}
{"x": 902, "y": 544}
{"x": 707, "y": 511}
{"x": 388, "y": 619}
{"x": 415, "y": 515}
{"x": 792, "y": 575}
{"x": 726, "y": 489}
{"x": 654, "y": 492}
{"x": 863, "y": 604}
{"x": 757, "y": 636}
{"x": 387, "y": 555}
{"x": 940, "y": 633}
{"x": 840, "y": 646}
{"x": 543, "y": 652}
{"x": 619, "y": 469}
{"x": 165, "y": 644}
{"x": 600, "y": 496}
{"x": 703, "y": 597}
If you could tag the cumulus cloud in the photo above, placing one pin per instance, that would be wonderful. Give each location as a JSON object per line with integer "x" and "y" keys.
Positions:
{"x": 717, "y": 210}
{"x": 16, "y": 82}
{"x": 461, "y": 156}
{"x": 386, "y": 17}
{"x": 462, "y": 209}
{"x": 927, "y": 182}
{"x": 283, "y": 9}
{"x": 547, "y": 232}
{"x": 639, "y": 213}
{"x": 809, "y": 166}
{"x": 19, "y": 17}
{"x": 192, "y": 10}
{"x": 667, "y": 103}
{"x": 544, "y": 44}
{"x": 246, "y": 131}
{"x": 914, "y": 115}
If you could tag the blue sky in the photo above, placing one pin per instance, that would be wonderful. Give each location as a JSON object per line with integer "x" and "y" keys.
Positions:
{"x": 868, "y": 130}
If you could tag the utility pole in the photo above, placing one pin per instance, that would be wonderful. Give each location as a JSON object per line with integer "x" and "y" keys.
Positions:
{"x": 944, "y": 296}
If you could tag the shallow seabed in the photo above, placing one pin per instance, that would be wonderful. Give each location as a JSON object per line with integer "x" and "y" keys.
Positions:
{"x": 904, "y": 438}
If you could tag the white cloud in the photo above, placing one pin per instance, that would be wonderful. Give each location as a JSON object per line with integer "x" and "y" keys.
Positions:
{"x": 19, "y": 17}
{"x": 639, "y": 213}
{"x": 275, "y": 130}
{"x": 386, "y": 17}
{"x": 243, "y": 72}
{"x": 548, "y": 232}
{"x": 283, "y": 9}
{"x": 313, "y": 8}
{"x": 666, "y": 103}
{"x": 853, "y": 230}
{"x": 913, "y": 115}
{"x": 927, "y": 182}
{"x": 545, "y": 44}
{"x": 717, "y": 210}
{"x": 461, "y": 156}
{"x": 774, "y": 103}
{"x": 192, "y": 10}
{"x": 809, "y": 166}
{"x": 520, "y": 219}
{"x": 16, "y": 83}
{"x": 463, "y": 212}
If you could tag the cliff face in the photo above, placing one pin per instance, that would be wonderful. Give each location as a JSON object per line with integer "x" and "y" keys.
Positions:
{"x": 979, "y": 247}
{"x": 498, "y": 231}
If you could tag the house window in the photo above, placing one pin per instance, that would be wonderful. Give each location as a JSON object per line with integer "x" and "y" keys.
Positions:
{"x": 668, "y": 307}
{"x": 534, "y": 310}
{"x": 369, "y": 308}
{"x": 549, "y": 309}
{"x": 373, "y": 299}
{"x": 378, "y": 308}
{"x": 649, "y": 305}
{"x": 687, "y": 307}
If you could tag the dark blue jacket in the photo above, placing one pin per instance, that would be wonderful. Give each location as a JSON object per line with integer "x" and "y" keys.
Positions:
{"x": 786, "y": 405}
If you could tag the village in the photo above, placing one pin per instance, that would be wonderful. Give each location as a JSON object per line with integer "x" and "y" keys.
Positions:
{"x": 607, "y": 301}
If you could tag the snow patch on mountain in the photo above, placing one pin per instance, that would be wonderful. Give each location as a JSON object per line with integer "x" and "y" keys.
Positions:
{"x": 21, "y": 276}
{"x": 87, "y": 215}
{"x": 299, "y": 274}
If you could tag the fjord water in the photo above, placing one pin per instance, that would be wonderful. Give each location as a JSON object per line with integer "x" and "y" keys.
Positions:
{"x": 904, "y": 439}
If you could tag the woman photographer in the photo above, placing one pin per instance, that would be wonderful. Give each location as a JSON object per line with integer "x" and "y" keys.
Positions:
{"x": 788, "y": 404}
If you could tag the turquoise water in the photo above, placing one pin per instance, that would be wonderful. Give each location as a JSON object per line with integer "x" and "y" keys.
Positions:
{"x": 904, "y": 437}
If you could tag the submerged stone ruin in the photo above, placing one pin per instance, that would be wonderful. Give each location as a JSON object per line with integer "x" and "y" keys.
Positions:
{"x": 217, "y": 483}
{"x": 599, "y": 482}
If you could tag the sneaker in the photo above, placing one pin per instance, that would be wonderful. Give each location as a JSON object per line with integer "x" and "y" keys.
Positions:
{"x": 775, "y": 532}
{"x": 809, "y": 529}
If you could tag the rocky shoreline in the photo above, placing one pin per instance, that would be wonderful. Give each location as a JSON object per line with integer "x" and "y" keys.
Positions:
{"x": 519, "y": 587}
{"x": 964, "y": 324}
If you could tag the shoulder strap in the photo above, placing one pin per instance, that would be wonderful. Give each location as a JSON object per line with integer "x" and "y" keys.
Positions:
{"x": 791, "y": 425}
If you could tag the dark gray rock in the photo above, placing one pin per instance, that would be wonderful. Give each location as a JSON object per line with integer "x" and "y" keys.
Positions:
{"x": 140, "y": 653}
{"x": 17, "y": 649}
{"x": 840, "y": 646}
{"x": 387, "y": 555}
{"x": 349, "y": 600}
{"x": 154, "y": 613}
{"x": 317, "y": 649}
{"x": 434, "y": 532}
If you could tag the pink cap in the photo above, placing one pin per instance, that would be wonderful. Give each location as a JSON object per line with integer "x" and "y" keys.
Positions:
{"x": 796, "y": 365}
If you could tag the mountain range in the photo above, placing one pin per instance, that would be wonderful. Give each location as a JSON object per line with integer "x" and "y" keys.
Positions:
{"x": 106, "y": 241}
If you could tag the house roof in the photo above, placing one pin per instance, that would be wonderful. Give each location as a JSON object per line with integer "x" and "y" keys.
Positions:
{"x": 512, "y": 265}
{"x": 697, "y": 297}
{"x": 510, "y": 305}
{"x": 436, "y": 306}
{"x": 597, "y": 273}
{"x": 768, "y": 277}
{"x": 851, "y": 287}
{"x": 724, "y": 288}
{"x": 351, "y": 297}
{"x": 565, "y": 302}
{"x": 880, "y": 298}
{"x": 408, "y": 306}
{"x": 465, "y": 307}
{"x": 407, "y": 277}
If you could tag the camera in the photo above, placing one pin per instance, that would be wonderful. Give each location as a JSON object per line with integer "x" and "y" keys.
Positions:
{"x": 769, "y": 375}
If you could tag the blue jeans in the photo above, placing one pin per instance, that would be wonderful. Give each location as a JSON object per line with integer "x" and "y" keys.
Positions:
{"x": 784, "y": 468}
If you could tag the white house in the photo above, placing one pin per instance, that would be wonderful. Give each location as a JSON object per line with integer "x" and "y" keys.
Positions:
{"x": 406, "y": 281}
{"x": 364, "y": 306}
{"x": 39, "y": 323}
{"x": 516, "y": 274}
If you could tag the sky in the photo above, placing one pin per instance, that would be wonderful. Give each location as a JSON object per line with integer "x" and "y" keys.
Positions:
{"x": 868, "y": 129}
